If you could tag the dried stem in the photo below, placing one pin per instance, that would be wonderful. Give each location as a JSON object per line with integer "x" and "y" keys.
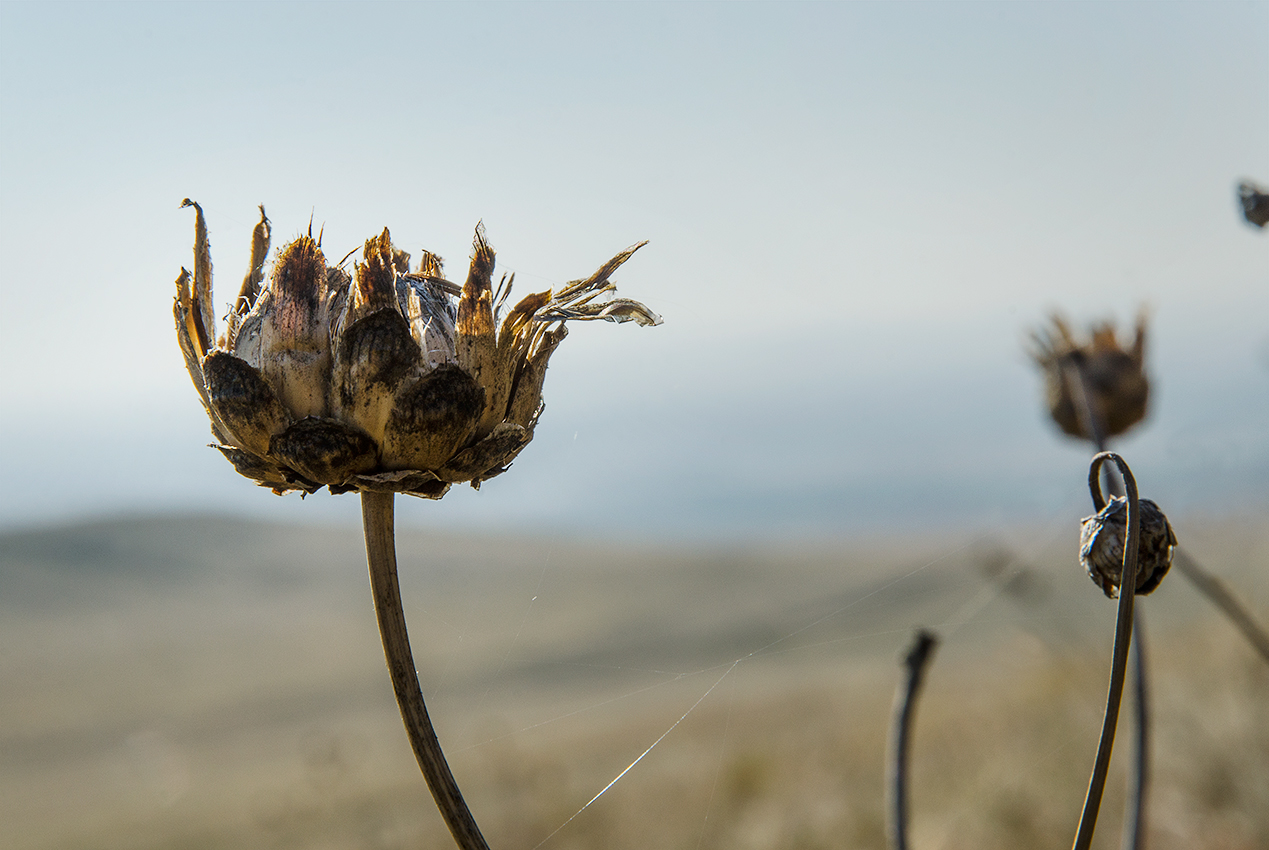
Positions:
{"x": 1134, "y": 819}
{"x": 1123, "y": 638}
{"x": 376, "y": 516}
{"x": 905, "y": 698}
{"x": 1135, "y": 823}
{"x": 1214, "y": 589}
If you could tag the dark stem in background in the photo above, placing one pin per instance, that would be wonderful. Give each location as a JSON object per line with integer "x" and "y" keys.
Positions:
{"x": 381, "y": 554}
{"x": 905, "y": 698}
{"x": 1214, "y": 589}
{"x": 1123, "y": 638}
{"x": 1134, "y": 825}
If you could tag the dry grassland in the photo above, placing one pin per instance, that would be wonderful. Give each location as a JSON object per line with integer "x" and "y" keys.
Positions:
{"x": 206, "y": 683}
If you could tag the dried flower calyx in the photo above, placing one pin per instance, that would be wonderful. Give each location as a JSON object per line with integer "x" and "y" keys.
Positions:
{"x": 1111, "y": 379}
{"x": 1255, "y": 203}
{"x": 1103, "y": 537}
{"x": 382, "y": 380}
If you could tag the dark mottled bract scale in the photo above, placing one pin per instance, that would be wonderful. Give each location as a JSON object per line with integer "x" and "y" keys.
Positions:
{"x": 265, "y": 473}
{"x": 487, "y": 458}
{"x": 324, "y": 450}
{"x": 244, "y": 401}
{"x": 432, "y": 419}
{"x": 1102, "y": 539}
{"x": 378, "y": 350}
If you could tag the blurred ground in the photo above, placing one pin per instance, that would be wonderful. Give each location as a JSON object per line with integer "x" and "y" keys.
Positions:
{"x": 203, "y": 682}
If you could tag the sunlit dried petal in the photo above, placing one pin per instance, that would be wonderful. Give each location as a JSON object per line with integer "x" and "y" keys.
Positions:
{"x": 260, "y": 240}
{"x": 294, "y": 340}
{"x": 477, "y": 347}
{"x": 526, "y": 402}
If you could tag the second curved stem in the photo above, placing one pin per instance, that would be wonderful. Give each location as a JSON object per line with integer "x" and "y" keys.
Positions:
{"x": 1119, "y": 656}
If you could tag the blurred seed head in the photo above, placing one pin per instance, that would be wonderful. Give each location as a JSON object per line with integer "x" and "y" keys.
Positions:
{"x": 1112, "y": 378}
{"x": 385, "y": 379}
{"x": 1102, "y": 540}
{"x": 1255, "y": 203}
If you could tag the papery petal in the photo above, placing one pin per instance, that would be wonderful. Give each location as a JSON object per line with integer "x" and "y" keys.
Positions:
{"x": 244, "y": 402}
{"x": 432, "y": 419}
{"x": 181, "y": 312}
{"x": 416, "y": 482}
{"x": 428, "y": 308}
{"x": 249, "y": 331}
{"x": 202, "y": 315}
{"x": 476, "y": 345}
{"x": 616, "y": 310}
{"x": 250, "y": 291}
{"x": 526, "y": 398}
{"x": 324, "y": 450}
{"x": 294, "y": 333}
{"x": 576, "y": 301}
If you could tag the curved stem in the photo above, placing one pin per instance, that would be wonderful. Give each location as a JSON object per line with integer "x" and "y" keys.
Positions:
{"x": 1134, "y": 826}
{"x": 381, "y": 554}
{"x": 900, "y": 730}
{"x": 1123, "y": 637}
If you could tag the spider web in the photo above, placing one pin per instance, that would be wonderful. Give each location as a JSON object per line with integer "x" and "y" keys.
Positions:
{"x": 969, "y": 611}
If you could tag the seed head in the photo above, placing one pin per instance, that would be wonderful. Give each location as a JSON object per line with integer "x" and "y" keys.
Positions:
{"x": 1255, "y": 203}
{"x": 1111, "y": 378}
{"x": 382, "y": 380}
{"x": 1102, "y": 539}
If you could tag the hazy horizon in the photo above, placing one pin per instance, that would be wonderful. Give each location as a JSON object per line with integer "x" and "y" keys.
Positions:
{"x": 855, "y": 212}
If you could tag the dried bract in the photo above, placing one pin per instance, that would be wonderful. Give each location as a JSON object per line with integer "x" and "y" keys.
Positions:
{"x": 384, "y": 380}
{"x": 1255, "y": 203}
{"x": 1112, "y": 379}
{"x": 1102, "y": 539}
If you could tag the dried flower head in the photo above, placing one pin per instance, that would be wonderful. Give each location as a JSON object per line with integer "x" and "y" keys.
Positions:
{"x": 1255, "y": 203}
{"x": 1112, "y": 379}
{"x": 1102, "y": 539}
{"x": 384, "y": 380}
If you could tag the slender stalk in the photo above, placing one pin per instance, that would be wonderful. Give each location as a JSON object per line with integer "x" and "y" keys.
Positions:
{"x": 381, "y": 554}
{"x": 1134, "y": 817}
{"x": 1135, "y": 823}
{"x": 1123, "y": 638}
{"x": 1216, "y": 592}
{"x": 905, "y": 698}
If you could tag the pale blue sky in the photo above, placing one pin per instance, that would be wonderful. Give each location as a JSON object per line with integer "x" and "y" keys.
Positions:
{"x": 855, "y": 211}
